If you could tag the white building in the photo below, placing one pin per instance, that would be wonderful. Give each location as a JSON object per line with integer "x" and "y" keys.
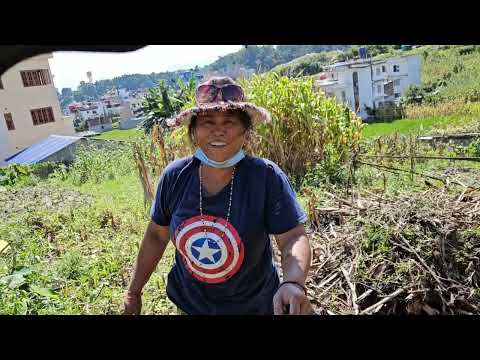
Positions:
{"x": 136, "y": 103}
{"x": 92, "y": 110}
{"x": 95, "y": 113}
{"x": 29, "y": 107}
{"x": 124, "y": 94}
{"x": 370, "y": 83}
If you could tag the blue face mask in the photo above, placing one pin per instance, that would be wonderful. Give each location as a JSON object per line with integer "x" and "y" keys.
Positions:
{"x": 200, "y": 155}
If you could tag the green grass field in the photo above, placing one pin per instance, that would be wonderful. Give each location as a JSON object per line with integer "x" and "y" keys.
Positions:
{"x": 123, "y": 135}
{"x": 416, "y": 126}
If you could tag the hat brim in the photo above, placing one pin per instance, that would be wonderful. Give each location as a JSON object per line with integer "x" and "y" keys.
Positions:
{"x": 256, "y": 113}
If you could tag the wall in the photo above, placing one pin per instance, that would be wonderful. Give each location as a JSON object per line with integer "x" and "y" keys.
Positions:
{"x": 414, "y": 69}
{"x": 345, "y": 77}
{"x": 126, "y": 112}
{"x": 66, "y": 155}
{"x": 4, "y": 140}
{"x": 19, "y": 100}
{"x": 365, "y": 89}
{"x": 101, "y": 127}
{"x": 130, "y": 124}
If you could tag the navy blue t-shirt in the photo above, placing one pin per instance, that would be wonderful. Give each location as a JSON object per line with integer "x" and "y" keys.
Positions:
{"x": 231, "y": 270}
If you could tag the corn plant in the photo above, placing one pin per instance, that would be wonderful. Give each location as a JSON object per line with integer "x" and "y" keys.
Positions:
{"x": 306, "y": 128}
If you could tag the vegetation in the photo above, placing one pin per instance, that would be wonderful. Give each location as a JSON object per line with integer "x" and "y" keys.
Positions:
{"x": 71, "y": 240}
{"x": 307, "y": 127}
{"x": 307, "y": 65}
{"x": 448, "y": 73}
{"x": 263, "y": 58}
{"x": 121, "y": 135}
{"x": 164, "y": 101}
{"x": 398, "y": 230}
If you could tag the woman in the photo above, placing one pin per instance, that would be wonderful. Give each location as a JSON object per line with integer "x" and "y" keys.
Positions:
{"x": 218, "y": 207}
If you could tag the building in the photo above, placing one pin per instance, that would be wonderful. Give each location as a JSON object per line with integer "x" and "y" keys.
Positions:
{"x": 29, "y": 107}
{"x": 366, "y": 83}
{"x": 96, "y": 115}
{"x": 136, "y": 101}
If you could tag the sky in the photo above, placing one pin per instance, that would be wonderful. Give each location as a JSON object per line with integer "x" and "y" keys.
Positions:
{"x": 69, "y": 68}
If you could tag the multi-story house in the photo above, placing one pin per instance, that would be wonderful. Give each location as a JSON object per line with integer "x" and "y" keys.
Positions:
{"x": 366, "y": 83}
{"x": 29, "y": 107}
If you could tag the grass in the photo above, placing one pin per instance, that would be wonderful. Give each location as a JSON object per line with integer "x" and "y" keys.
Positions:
{"x": 414, "y": 126}
{"x": 122, "y": 135}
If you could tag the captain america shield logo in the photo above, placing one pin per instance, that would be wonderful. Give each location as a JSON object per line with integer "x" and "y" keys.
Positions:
{"x": 211, "y": 249}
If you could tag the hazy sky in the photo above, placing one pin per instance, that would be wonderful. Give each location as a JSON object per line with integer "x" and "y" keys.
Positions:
{"x": 69, "y": 68}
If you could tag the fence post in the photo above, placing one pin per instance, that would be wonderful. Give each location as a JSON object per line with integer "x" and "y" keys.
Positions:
{"x": 412, "y": 164}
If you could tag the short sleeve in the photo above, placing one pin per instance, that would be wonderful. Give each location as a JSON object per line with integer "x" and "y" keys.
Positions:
{"x": 283, "y": 211}
{"x": 159, "y": 212}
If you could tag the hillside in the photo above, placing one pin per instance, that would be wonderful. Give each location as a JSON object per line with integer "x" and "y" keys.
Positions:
{"x": 449, "y": 72}
{"x": 263, "y": 58}
{"x": 251, "y": 59}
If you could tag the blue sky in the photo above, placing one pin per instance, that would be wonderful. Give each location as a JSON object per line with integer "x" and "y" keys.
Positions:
{"x": 69, "y": 68}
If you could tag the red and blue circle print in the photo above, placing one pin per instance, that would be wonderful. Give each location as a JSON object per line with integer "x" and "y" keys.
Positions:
{"x": 211, "y": 249}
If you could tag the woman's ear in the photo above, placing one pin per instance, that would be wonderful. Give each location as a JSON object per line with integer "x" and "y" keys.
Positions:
{"x": 248, "y": 135}
{"x": 192, "y": 138}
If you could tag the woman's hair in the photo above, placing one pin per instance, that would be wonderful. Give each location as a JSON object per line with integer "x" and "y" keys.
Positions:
{"x": 242, "y": 115}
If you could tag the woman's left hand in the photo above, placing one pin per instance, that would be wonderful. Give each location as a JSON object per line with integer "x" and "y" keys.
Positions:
{"x": 290, "y": 299}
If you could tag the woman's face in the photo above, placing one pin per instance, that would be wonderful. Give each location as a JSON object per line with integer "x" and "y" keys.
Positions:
{"x": 219, "y": 135}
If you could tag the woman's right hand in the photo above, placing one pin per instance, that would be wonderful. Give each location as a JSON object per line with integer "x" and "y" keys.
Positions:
{"x": 132, "y": 304}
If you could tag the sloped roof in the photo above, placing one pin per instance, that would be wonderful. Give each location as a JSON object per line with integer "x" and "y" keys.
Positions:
{"x": 41, "y": 150}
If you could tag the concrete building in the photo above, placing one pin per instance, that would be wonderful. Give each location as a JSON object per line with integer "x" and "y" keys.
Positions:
{"x": 29, "y": 107}
{"x": 96, "y": 114}
{"x": 370, "y": 83}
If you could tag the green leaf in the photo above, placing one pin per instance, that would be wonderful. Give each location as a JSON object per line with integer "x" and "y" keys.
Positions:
{"x": 23, "y": 271}
{"x": 13, "y": 281}
{"x": 43, "y": 291}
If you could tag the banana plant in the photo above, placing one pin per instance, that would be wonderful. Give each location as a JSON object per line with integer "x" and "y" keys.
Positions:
{"x": 163, "y": 102}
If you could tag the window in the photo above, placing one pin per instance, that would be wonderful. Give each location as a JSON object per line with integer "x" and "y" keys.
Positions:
{"x": 396, "y": 82}
{"x": 1, "y": 83}
{"x": 42, "y": 116}
{"x": 9, "y": 121}
{"x": 384, "y": 68}
{"x": 35, "y": 77}
{"x": 344, "y": 97}
{"x": 379, "y": 89}
{"x": 378, "y": 71}
{"x": 397, "y": 95}
{"x": 396, "y": 68}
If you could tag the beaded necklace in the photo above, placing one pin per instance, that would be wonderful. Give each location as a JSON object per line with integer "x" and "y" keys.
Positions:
{"x": 229, "y": 202}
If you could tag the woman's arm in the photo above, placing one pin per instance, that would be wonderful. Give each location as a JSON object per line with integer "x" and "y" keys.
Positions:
{"x": 151, "y": 251}
{"x": 296, "y": 257}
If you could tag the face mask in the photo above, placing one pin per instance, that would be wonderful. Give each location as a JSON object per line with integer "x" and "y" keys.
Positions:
{"x": 200, "y": 155}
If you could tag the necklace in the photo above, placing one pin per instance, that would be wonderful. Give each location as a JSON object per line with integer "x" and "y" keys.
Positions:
{"x": 229, "y": 202}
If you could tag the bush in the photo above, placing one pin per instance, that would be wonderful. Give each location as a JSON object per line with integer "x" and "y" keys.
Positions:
{"x": 387, "y": 112}
{"x": 473, "y": 149}
{"x": 331, "y": 170}
{"x": 94, "y": 164}
{"x": 14, "y": 174}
